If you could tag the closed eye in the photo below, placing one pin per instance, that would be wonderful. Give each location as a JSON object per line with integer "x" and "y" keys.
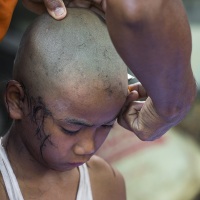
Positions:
{"x": 69, "y": 132}
{"x": 107, "y": 126}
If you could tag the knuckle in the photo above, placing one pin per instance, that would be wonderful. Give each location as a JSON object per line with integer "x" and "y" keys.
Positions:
{"x": 144, "y": 136}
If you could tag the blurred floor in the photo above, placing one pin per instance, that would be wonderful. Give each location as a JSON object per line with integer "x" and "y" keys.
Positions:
{"x": 166, "y": 169}
{"x": 190, "y": 125}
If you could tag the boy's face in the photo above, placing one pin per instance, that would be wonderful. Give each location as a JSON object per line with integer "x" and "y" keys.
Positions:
{"x": 68, "y": 129}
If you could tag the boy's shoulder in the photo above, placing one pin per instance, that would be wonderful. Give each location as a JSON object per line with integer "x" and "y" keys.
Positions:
{"x": 106, "y": 182}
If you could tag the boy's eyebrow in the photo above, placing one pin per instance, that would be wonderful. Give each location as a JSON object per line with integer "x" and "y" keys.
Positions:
{"x": 82, "y": 122}
{"x": 77, "y": 122}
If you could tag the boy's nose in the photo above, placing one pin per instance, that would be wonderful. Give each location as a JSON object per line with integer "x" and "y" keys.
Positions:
{"x": 86, "y": 145}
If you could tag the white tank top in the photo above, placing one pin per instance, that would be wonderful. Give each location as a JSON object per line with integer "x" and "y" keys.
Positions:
{"x": 12, "y": 186}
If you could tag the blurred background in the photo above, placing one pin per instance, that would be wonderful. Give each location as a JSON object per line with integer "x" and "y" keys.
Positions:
{"x": 167, "y": 169}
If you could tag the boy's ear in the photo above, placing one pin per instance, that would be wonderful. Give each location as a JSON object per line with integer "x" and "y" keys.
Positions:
{"x": 13, "y": 98}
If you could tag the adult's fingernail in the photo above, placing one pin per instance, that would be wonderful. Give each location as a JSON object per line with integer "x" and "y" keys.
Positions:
{"x": 59, "y": 11}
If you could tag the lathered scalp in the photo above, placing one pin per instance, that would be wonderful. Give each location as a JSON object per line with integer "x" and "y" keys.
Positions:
{"x": 76, "y": 50}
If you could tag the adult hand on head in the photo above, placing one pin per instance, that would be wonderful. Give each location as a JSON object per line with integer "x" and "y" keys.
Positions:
{"x": 57, "y": 8}
{"x": 141, "y": 117}
{"x": 98, "y": 6}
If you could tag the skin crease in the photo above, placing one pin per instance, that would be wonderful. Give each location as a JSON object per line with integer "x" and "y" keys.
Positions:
{"x": 43, "y": 152}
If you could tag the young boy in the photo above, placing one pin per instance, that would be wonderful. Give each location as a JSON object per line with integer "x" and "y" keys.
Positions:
{"x": 63, "y": 112}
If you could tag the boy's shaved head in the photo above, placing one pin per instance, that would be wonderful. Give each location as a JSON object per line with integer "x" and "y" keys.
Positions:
{"x": 76, "y": 52}
{"x": 74, "y": 85}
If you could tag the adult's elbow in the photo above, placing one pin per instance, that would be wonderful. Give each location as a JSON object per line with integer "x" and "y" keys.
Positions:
{"x": 177, "y": 111}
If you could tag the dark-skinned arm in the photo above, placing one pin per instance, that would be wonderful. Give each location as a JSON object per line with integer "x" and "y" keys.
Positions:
{"x": 153, "y": 38}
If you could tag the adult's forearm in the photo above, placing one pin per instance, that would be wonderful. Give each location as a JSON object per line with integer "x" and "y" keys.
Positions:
{"x": 154, "y": 40}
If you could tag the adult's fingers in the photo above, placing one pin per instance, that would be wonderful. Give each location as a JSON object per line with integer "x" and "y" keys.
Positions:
{"x": 97, "y": 4}
{"x": 139, "y": 88}
{"x": 56, "y": 8}
{"x": 35, "y": 6}
{"x": 101, "y": 3}
{"x": 128, "y": 118}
